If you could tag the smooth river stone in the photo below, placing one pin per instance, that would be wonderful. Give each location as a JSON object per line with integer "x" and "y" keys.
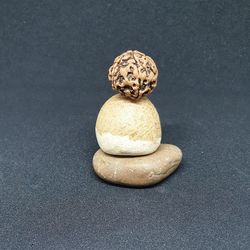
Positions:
{"x": 127, "y": 127}
{"x": 138, "y": 170}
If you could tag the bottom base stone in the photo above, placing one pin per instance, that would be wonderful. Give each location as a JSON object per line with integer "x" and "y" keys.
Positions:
{"x": 137, "y": 170}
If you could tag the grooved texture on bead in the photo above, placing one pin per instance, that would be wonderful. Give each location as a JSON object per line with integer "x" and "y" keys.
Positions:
{"x": 133, "y": 74}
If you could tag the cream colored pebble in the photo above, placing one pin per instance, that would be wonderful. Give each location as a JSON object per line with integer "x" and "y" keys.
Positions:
{"x": 126, "y": 127}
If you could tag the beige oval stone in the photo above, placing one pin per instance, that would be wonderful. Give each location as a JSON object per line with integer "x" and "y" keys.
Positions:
{"x": 126, "y": 127}
{"x": 139, "y": 170}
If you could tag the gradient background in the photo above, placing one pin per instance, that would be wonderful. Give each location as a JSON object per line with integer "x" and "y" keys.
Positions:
{"x": 54, "y": 57}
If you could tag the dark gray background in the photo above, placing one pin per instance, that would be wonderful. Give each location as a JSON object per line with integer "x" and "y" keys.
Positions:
{"x": 53, "y": 80}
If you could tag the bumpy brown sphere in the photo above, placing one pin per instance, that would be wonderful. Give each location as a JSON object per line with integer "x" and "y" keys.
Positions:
{"x": 133, "y": 74}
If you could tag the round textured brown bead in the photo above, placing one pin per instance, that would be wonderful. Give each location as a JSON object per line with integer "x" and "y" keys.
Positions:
{"x": 133, "y": 74}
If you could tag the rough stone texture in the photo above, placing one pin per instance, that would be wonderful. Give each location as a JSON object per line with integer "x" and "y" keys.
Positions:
{"x": 133, "y": 74}
{"x": 138, "y": 171}
{"x": 126, "y": 127}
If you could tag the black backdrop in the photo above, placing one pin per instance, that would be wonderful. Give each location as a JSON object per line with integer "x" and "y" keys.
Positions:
{"x": 53, "y": 80}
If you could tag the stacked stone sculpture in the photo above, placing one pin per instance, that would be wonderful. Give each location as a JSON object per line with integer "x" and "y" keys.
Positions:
{"x": 128, "y": 128}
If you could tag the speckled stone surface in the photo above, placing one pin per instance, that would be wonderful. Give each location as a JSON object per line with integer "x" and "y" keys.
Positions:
{"x": 126, "y": 127}
{"x": 138, "y": 171}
